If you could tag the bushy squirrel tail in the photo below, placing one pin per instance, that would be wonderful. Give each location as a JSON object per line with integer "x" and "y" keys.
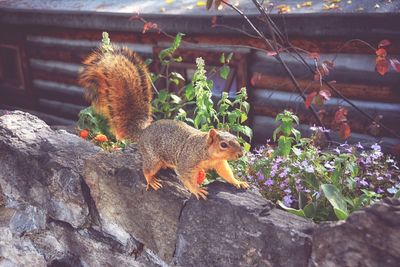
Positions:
{"x": 117, "y": 84}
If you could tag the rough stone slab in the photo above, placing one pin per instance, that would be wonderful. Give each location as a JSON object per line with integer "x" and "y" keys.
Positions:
{"x": 43, "y": 167}
{"x": 18, "y": 251}
{"x": 370, "y": 238}
{"x": 62, "y": 245}
{"x": 125, "y": 208}
{"x": 239, "y": 228}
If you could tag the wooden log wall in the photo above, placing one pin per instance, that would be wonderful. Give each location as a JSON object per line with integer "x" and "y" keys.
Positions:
{"x": 355, "y": 77}
{"x": 54, "y": 56}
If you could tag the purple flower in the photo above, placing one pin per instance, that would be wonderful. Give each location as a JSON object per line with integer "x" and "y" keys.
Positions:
{"x": 260, "y": 176}
{"x": 287, "y": 200}
{"x": 337, "y": 150}
{"x": 376, "y": 147}
{"x": 269, "y": 182}
{"x": 284, "y": 184}
{"x": 284, "y": 173}
{"x": 359, "y": 145}
{"x": 363, "y": 182}
{"x": 380, "y": 190}
{"x": 287, "y": 191}
{"x": 379, "y": 178}
{"x": 309, "y": 169}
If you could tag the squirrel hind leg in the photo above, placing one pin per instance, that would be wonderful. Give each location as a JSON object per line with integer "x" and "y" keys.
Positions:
{"x": 149, "y": 173}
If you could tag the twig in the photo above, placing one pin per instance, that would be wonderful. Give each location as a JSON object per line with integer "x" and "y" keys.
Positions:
{"x": 273, "y": 45}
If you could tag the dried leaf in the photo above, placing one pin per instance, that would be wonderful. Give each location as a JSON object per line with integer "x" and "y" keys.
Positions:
{"x": 255, "y": 78}
{"x": 381, "y": 52}
{"x": 384, "y": 43}
{"x": 382, "y": 65}
{"x": 309, "y": 99}
{"x": 148, "y": 26}
{"x": 340, "y": 116}
{"x": 344, "y": 131}
{"x": 325, "y": 94}
{"x": 201, "y": 3}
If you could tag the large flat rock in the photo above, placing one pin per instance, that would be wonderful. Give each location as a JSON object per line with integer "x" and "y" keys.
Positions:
{"x": 43, "y": 167}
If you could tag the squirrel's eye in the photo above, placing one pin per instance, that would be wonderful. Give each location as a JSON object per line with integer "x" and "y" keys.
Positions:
{"x": 223, "y": 145}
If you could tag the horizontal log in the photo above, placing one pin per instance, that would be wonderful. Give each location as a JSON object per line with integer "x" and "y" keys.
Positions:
{"x": 263, "y": 128}
{"x": 269, "y": 102}
{"x": 50, "y": 48}
{"x": 318, "y": 43}
{"x": 38, "y": 74}
{"x": 352, "y": 69}
{"x": 57, "y": 91}
{"x": 48, "y": 118}
{"x": 60, "y": 109}
{"x": 56, "y": 67}
{"x": 378, "y": 93}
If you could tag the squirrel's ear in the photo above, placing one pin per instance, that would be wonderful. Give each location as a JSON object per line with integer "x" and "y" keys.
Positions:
{"x": 212, "y": 136}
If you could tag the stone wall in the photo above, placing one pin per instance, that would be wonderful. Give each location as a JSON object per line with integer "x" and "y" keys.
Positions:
{"x": 63, "y": 202}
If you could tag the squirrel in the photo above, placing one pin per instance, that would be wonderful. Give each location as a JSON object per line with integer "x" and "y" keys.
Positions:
{"x": 117, "y": 84}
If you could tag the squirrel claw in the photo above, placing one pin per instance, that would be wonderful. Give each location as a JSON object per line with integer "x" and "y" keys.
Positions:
{"x": 202, "y": 192}
{"x": 241, "y": 184}
{"x": 155, "y": 184}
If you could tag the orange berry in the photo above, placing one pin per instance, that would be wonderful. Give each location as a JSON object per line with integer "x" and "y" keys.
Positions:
{"x": 201, "y": 177}
{"x": 84, "y": 134}
{"x": 101, "y": 138}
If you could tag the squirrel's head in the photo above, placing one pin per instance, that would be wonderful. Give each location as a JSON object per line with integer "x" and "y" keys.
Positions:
{"x": 223, "y": 145}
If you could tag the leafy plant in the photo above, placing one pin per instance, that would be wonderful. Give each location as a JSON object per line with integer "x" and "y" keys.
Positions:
{"x": 94, "y": 127}
{"x": 322, "y": 185}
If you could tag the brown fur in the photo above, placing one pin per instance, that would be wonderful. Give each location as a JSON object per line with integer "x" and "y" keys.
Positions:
{"x": 118, "y": 86}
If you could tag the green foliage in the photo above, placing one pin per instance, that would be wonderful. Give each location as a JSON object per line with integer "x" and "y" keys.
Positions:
{"x": 321, "y": 185}
{"x": 92, "y": 125}
{"x": 106, "y": 43}
{"x": 166, "y": 55}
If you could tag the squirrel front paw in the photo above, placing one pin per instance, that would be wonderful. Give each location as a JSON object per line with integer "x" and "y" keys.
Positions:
{"x": 240, "y": 184}
{"x": 154, "y": 183}
{"x": 200, "y": 193}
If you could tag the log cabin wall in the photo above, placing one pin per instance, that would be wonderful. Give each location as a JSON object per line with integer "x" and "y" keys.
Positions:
{"x": 52, "y": 45}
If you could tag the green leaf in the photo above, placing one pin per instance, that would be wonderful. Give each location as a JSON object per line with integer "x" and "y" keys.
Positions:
{"x": 176, "y": 99}
{"x": 170, "y": 50}
{"x": 229, "y": 58}
{"x": 222, "y": 58}
{"x": 224, "y": 72}
{"x": 148, "y": 61}
{"x": 336, "y": 199}
{"x": 291, "y": 210}
{"x": 397, "y": 195}
{"x": 276, "y": 131}
{"x": 243, "y": 117}
{"x": 340, "y": 214}
{"x": 246, "y": 106}
{"x": 296, "y": 134}
{"x": 309, "y": 210}
{"x": 162, "y": 95}
{"x": 177, "y": 75}
{"x": 247, "y": 147}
